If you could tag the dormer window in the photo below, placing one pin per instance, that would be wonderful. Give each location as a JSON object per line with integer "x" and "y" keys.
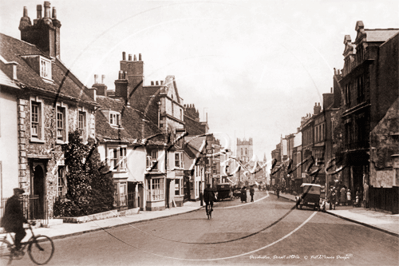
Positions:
{"x": 45, "y": 68}
{"x": 114, "y": 118}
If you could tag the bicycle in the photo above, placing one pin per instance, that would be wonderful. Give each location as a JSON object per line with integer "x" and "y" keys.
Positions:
{"x": 40, "y": 248}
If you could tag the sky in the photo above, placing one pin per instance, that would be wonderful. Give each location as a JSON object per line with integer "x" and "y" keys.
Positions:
{"x": 256, "y": 67}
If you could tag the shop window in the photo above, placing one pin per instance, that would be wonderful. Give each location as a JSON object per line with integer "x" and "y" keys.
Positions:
{"x": 156, "y": 189}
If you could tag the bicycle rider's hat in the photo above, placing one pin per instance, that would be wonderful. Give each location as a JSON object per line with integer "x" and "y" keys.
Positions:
{"x": 20, "y": 190}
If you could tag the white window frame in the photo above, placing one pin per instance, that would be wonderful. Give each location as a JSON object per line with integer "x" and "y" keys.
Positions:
{"x": 85, "y": 131}
{"x": 117, "y": 160}
{"x": 114, "y": 119}
{"x": 60, "y": 179}
{"x": 40, "y": 133}
{"x": 178, "y": 160}
{"x": 64, "y": 135}
{"x": 156, "y": 189}
{"x": 45, "y": 68}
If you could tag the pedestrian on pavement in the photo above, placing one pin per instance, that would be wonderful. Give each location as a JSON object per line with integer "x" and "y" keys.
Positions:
{"x": 348, "y": 197}
{"x": 358, "y": 197}
{"x": 244, "y": 194}
{"x": 337, "y": 194}
{"x": 343, "y": 196}
{"x": 13, "y": 219}
{"x": 252, "y": 192}
{"x": 365, "y": 194}
{"x": 331, "y": 198}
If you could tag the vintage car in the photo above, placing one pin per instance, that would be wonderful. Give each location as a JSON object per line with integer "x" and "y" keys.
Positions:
{"x": 310, "y": 196}
{"x": 224, "y": 191}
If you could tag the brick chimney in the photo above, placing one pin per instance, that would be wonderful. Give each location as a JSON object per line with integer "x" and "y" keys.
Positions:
{"x": 131, "y": 76}
{"x": 100, "y": 86}
{"x": 45, "y": 31}
{"x": 316, "y": 108}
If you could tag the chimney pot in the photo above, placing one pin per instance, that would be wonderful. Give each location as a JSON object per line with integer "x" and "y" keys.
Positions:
{"x": 152, "y": 83}
{"x": 54, "y": 13}
{"x": 95, "y": 79}
{"x": 135, "y": 59}
{"x": 102, "y": 79}
{"x": 156, "y": 83}
{"x": 161, "y": 82}
{"x": 47, "y": 9}
{"x": 130, "y": 57}
{"x": 39, "y": 11}
{"x": 124, "y": 56}
{"x": 120, "y": 74}
{"x": 25, "y": 11}
{"x": 125, "y": 75}
{"x": 139, "y": 57}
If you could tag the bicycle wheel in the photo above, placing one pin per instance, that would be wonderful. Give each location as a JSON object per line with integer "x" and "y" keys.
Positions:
{"x": 41, "y": 249}
{"x": 5, "y": 251}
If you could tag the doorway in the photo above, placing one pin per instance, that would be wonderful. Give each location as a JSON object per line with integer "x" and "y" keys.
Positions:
{"x": 37, "y": 197}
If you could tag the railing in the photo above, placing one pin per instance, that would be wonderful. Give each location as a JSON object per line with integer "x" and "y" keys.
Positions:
{"x": 32, "y": 208}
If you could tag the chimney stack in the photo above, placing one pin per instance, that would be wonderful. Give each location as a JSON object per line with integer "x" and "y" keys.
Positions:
{"x": 100, "y": 86}
{"x": 54, "y": 13}
{"x": 39, "y": 11}
{"x": 45, "y": 31}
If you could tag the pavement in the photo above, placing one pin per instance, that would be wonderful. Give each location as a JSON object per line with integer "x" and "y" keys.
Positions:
{"x": 382, "y": 221}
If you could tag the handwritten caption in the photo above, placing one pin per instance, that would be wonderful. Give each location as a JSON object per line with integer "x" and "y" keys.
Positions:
{"x": 297, "y": 257}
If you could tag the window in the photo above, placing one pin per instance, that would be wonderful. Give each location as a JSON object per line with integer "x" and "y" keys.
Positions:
{"x": 178, "y": 160}
{"x": 177, "y": 187}
{"x": 61, "y": 123}
{"x": 156, "y": 189}
{"x": 36, "y": 118}
{"x": 117, "y": 159}
{"x": 114, "y": 119}
{"x": 45, "y": 68}
{"x": 61, "y": 181}
{"x": 82, "y": 123}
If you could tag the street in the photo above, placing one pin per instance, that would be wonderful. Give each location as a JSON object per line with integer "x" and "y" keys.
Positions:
{"x": 238, "y": 233}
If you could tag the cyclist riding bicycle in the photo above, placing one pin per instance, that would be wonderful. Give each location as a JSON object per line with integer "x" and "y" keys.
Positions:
{"x": 13, "y": 219}
{"x": 209, "y": 196}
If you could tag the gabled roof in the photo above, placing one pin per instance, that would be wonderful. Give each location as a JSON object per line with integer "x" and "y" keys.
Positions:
{"x": 64, "y": 84}
{"x": 134, "y": 125}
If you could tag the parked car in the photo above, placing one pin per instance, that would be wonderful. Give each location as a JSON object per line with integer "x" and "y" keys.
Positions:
{"x": 310, "y": 196}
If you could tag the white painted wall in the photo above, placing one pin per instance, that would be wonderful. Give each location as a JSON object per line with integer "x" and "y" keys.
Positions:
{"x": 8, "y": 144}
{"x": 136, "y": 164}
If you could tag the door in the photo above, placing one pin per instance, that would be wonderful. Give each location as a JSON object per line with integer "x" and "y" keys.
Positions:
{"x": 37, "y": 201}
{"x": 131, "y": 190}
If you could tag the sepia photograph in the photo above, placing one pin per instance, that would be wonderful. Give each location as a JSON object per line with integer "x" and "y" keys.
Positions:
{"x": 189, "y": 132}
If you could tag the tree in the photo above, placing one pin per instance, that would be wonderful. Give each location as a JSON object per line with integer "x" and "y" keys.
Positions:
{"x": 89, "y": 181}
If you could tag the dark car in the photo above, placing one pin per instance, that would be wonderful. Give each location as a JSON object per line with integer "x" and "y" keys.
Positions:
{"x": 310, "y": 196}
{"x": 224, "y": 191}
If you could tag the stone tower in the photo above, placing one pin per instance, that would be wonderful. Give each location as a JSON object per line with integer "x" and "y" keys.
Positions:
{"x": 245, "y": 150}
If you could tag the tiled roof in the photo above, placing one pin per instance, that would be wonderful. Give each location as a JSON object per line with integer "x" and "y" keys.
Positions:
{"x": 6, "y": 81}
{"x": 134, "y": 125}
{"x": 13, "y": 50}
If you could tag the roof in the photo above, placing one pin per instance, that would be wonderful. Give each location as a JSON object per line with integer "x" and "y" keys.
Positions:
{"x": 64, "y": 84}
{"x": 6, "y": 81}
{"x": 379, "y": 35}
{"x": 134, "y": 126}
